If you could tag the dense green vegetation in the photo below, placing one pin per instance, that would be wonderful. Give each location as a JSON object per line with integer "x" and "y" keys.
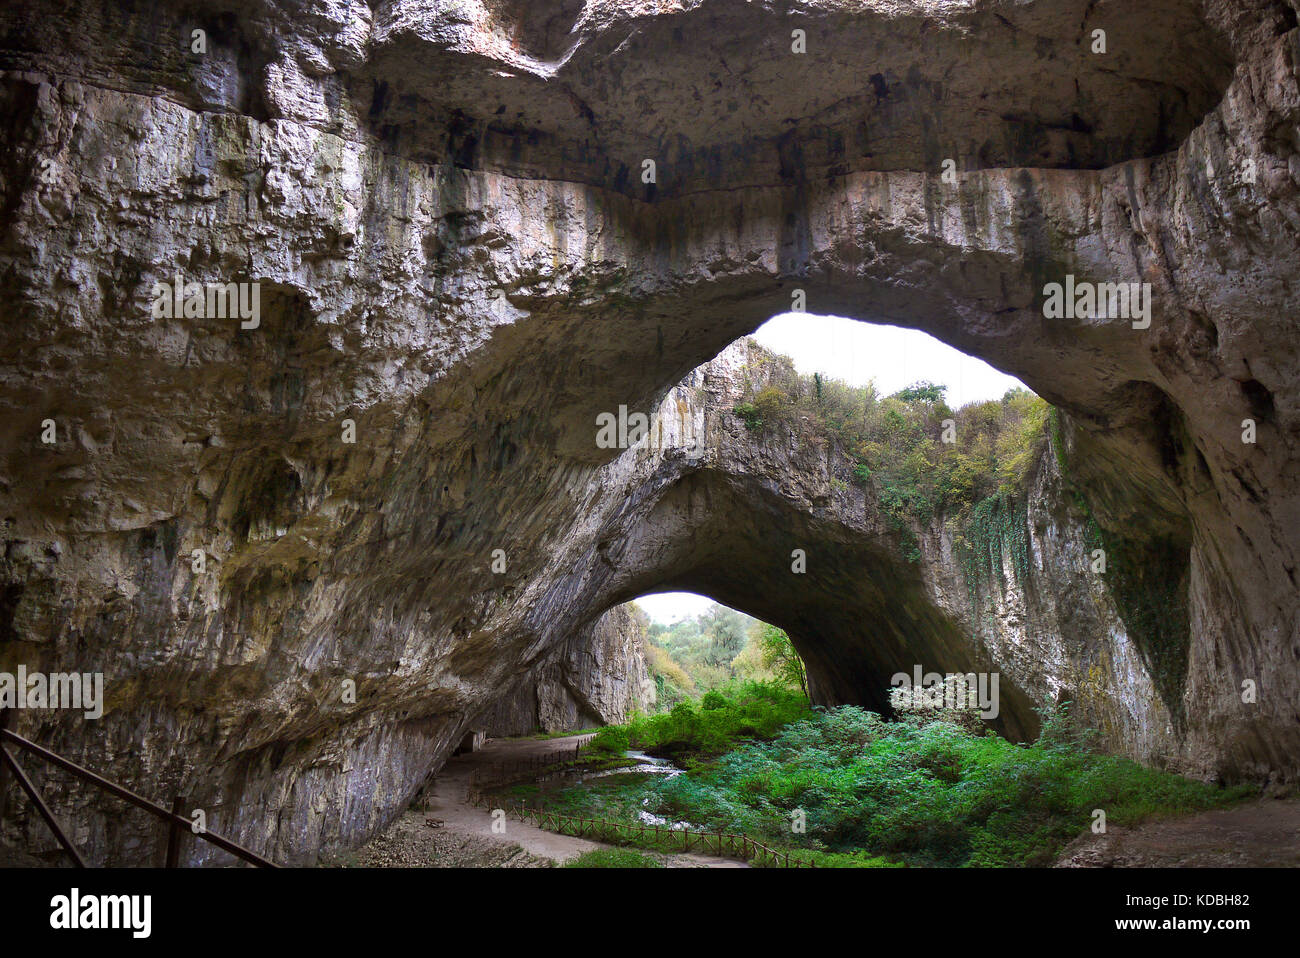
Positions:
{"x": 697, "y": 652}
{"x": 895, "y": 444}
{"x": 871, "y": 792}
{"x": 708, "y": 728}
{"x": 771, "y": 654}
{"x": 721, "y": 645}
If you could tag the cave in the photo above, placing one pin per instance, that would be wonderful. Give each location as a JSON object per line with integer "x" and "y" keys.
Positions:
{"x": 391, "y": 484}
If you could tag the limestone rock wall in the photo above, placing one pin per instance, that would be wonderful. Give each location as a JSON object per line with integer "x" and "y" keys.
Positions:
{"x": 598, "y": 677}
{"x": 1049, "y": 626}
{"x": 460, "y": 267}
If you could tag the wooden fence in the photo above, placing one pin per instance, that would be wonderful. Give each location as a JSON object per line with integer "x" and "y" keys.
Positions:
{"x": 722, "y": 844}
{"x": 531, "y": 767}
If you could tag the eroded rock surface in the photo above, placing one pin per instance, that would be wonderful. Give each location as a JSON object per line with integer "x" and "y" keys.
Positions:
{"x": 719, "y": 509}
{"x": 599, "y": 676}
{"x": 442, "y": 205}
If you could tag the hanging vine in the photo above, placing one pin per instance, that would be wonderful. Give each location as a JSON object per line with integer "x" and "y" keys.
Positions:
{"x": 998, "y": 527}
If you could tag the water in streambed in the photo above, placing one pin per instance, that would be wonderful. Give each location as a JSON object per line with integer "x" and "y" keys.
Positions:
{"x": 651, "y": 765}
{"x": 646, "y": 766}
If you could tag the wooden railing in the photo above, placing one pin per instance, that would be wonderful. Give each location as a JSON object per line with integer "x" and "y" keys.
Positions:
{"x": 178, "y": 824}
{"x": 540, "y": 767}
{"x": 500, "y": 773}
{"x": 720, "y": 843}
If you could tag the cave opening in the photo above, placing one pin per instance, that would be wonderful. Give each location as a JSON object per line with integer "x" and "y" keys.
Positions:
{"x": 694, "y": 644}
{"x": 823, "y": 477}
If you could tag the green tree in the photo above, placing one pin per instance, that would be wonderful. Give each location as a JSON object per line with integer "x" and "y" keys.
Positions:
{"x": 923, "y": 391}
{"x": 725, "y": 630}
{"x": 779, "y": 657}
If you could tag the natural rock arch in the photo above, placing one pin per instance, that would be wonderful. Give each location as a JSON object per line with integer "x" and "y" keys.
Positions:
{"x": 860, "y": 614}
{"x": 710, "y": 507}
{"x": 473, "y": 290}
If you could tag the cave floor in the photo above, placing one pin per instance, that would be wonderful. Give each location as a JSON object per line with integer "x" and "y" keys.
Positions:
{"x": 1263, "y": 834}
{"x": 465, "y": 838}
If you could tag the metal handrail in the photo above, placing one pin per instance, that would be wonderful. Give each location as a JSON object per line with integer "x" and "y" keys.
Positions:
{"x": 172, "y": 817}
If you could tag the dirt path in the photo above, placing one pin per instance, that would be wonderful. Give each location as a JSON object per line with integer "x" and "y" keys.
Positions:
{"x": 466, "y": 837}
{"x": 1260, "y": 834}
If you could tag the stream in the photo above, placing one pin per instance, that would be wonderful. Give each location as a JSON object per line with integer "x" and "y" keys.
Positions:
{"x": 651, "y": 765}
{"x": 646, "y": 765}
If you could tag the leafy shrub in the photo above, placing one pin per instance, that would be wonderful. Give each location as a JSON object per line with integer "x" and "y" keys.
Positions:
{"x": 730, "y": 712}
{"x": 611, "y": 738}
{"x": 748, "y": 412}
{"x": 771, "y": 404}
{"x": 780, "y": 658}
{"x": 922, "y": 391}
{"x": 921, "y": 794}
{"x": 953, "y": 702}
{"x": 713, "y": 699}
{"x": 1060, "y": 728}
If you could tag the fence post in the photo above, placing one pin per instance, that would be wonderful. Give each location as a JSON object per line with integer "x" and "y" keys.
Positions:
{"x": 174, "y": 836}
{"x": 4, "y": 766}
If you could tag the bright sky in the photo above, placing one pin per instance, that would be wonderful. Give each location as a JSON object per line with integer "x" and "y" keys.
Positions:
{"x": 856, "y": 352}
{"x": 894, "y": 357}
{"x": 669, "y": 607}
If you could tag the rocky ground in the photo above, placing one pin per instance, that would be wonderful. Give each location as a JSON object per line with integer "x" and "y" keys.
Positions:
{"x": 1263, "y": 834}
{"x": 410, "y": 843}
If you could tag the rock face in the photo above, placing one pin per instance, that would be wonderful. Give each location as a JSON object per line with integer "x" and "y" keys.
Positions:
{"x": 720, "y": 510}
{"x": 462, "y": 260}
{"x": 597, "y": 677}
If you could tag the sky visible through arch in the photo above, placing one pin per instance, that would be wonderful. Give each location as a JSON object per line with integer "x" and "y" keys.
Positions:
{"x": 857, "y": 353}
{"x": 894, "y": 357}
